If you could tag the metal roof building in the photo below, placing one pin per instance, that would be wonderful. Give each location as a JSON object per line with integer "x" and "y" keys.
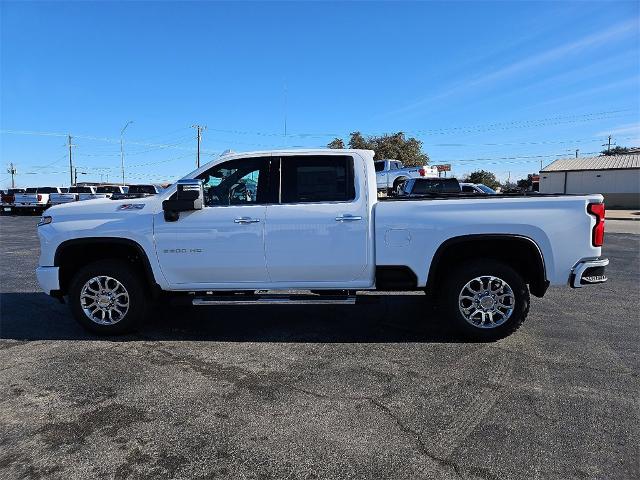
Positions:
{"x": 617, "y": 177}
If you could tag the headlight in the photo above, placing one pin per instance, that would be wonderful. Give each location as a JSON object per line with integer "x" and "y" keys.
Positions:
{"x": 45, "y": 220}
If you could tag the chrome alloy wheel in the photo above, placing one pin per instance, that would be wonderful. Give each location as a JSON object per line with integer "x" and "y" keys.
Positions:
{"x": 104, "y": 300}
{"x": 486, "y": 302}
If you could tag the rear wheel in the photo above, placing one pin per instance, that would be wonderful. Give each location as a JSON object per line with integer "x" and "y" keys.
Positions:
{"x": 107, "y": 297}
{"x": 486, "y": 299}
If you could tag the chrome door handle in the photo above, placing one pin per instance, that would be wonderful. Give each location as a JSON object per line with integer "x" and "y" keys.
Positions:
{"x": 348, "y": 218}
{"x": 245, "y": 220}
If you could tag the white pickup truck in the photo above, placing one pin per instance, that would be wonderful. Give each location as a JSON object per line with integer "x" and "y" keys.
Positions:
{"x": 74, "y": 194}
{"x": 390, "y": 174}
{"x": 311, "y": 220}
{"x": 35, "y": 199}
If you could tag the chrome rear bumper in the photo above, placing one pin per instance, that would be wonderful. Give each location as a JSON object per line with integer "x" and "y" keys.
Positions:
{"x": 588, "y": 272}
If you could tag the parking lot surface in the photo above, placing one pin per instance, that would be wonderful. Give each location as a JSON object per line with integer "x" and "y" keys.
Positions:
{"x": 378, "y": 390}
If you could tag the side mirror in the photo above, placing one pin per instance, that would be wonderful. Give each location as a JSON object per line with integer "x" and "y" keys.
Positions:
{"x": 189, "y": 196}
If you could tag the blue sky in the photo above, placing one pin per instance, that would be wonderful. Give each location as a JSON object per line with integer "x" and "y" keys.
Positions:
{"x": 500, "y": 86}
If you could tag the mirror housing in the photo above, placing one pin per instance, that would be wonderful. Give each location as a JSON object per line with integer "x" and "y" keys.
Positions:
{"x": 189, "y": 196}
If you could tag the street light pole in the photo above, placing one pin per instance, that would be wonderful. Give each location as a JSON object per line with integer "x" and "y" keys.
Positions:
{"x": 122, "y": 148}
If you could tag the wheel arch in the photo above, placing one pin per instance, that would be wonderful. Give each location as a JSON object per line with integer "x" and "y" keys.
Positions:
{"x": 72, "y": 254}
{"x": 520, "y": 251}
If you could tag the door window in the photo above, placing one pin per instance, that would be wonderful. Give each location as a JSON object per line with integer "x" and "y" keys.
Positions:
{"x": 237, "y": 182}
{"x": 308, "y": 179}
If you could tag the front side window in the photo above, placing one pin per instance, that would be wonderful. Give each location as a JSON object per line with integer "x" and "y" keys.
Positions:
{"x": 307, "y": 179}
{"x": 237, "y": 182}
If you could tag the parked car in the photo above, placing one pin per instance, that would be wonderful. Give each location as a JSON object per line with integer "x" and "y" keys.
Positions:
{"x": 478, "y": 188}
{"x": 138, "y": 191}
{"x": 8, "y": 199}
{"x": 74, "y": 194}
{"x": 317, "y": 224}
{"x": 107, "y": 191}
{"x": 35, "y": 199}
{"x": 415, "y": 187}
{"x": 391, "y": 173}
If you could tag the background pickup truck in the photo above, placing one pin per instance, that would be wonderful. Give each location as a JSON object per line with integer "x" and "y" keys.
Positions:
{"x": 35, "y": 199}
{"x": 311, "y": 221}
{"x": 73, "y": 194}
{"x": 391, "y": 173}
{"x": 8, "y": 199}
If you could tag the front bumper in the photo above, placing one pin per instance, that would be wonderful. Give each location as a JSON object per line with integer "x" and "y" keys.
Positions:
{"x": 48, "y": 279}
{"x": 588, "y": 272}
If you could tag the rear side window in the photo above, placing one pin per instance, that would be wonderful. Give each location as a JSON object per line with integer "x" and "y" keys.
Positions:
{"x": 150, "y": 189}
{"x": 80, "y": 190}
{"x": 436, "y": 185}
{"x": 31, "y": 190}
{"x": 108, "y": 189}
{"x": 307, "y": 179}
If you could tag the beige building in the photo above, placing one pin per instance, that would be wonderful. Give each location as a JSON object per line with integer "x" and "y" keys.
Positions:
{"x": 617, "y": 177}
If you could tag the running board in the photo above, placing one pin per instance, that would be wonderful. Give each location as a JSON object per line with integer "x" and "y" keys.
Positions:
{"x": 275, "y": 299}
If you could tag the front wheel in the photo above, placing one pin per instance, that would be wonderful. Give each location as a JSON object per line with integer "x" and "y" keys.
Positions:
{"x": 107, "y": 297}
{"x": 486, "y": 299}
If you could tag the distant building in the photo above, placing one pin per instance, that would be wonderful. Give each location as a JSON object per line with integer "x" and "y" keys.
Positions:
{"x": 617, "y": 177}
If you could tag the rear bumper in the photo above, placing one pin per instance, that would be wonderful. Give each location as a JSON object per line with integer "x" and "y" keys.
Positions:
{"x": 48, "y": 279}
{"x": 588, "y": 272}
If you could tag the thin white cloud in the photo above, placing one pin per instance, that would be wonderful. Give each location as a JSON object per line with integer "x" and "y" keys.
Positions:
{"x": 534, "y": 61}
{"x": 627, "y": 129}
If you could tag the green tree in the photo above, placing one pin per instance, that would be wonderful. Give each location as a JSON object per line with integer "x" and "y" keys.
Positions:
{"x": 336, "y": 143}
{"x": 616, "y": 151}
{"x": 484, "y": 177}
{"x": 395, "y": 146}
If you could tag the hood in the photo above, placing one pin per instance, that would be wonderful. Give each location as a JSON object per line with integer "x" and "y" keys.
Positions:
{"x": 101, "y": 207}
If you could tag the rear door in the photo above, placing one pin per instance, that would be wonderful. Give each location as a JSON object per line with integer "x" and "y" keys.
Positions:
{"x": 318, "y": 233}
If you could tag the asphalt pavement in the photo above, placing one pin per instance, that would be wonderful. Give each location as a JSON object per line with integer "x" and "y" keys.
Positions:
{"x": 377, "y": 390}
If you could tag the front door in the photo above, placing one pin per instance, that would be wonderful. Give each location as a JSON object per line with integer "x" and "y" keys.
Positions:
{"x": 222, "y": 245}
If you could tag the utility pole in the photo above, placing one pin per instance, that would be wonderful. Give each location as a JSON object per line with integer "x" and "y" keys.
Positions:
{"x": 200, "y": 129}
{"x": 12, "y": 170}
{"x": 577, "y": 151}
{"x": 70, "y": 159}
{"x": 122, "y": 148}
{"x": 608, "y": 144}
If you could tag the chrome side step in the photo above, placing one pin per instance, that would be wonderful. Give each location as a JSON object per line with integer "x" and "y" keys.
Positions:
{"x": 275, "y": 299}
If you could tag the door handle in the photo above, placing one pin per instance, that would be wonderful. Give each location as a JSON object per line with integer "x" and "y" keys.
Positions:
{"x": 348, "y": 218}
{"x": 245, "y": 220}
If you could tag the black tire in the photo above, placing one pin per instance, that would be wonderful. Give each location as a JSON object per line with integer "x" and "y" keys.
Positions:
{"x": 396, "y": 185}
{"x": 120, "y": 271}
{"x": 461, "y": 275}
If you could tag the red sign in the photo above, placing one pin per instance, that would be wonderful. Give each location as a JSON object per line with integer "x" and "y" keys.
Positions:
{"x": 444, "y": 168}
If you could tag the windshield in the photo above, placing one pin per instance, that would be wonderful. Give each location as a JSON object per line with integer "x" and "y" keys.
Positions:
{"x": 486, "y": 189}
{"x": 379, "y": 166}
{"x": 31, "y": 190}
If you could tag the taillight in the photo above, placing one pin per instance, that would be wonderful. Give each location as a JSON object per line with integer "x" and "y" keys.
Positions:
{"x": 597, "y": 236}
{"x": 39, "y": 197}
{"x": 422, "y": 172}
